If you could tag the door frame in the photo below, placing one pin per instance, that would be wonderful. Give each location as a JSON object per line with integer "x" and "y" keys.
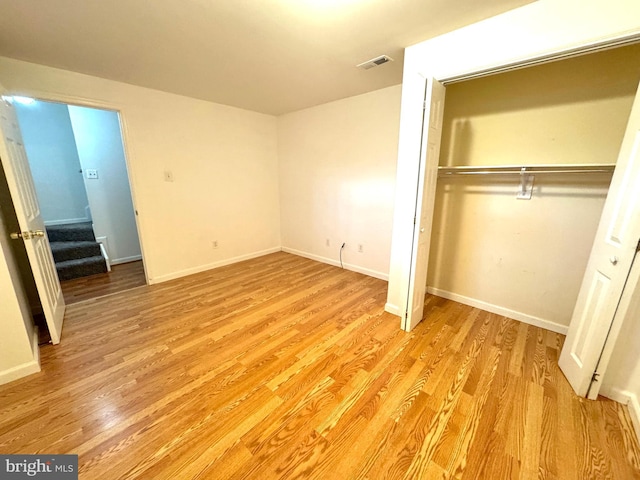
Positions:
{"x": 481, "y": 50}
{"x": 85, "y": 102}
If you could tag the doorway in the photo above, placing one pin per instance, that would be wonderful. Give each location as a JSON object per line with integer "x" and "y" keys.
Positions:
{"x": 78, "y": 164}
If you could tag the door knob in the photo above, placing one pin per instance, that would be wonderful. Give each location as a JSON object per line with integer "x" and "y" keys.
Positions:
{"x": 613, "y": 260}
{"x": 422, "y": 230}
{"x": 26, "y": 235}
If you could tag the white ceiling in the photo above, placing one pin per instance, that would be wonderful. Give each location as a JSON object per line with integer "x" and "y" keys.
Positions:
{"x": 271, "y": 56}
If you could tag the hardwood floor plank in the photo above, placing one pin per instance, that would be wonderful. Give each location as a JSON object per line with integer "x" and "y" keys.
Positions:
{"x": 458, "y": 452}
{"x": 282, "y": 367}
{"x": 531, "y": 447}
{"x": 124, "y": 276}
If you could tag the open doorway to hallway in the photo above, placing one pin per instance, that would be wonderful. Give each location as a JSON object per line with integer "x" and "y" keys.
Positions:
{"x": 79, "y": 169}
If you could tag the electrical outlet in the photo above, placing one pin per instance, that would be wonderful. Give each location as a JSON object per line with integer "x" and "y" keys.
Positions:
{"x": 168, "y": 176}
{"x": 360, "y": 248}
{"x": 92, "y": 173}
{"x": 214, "y": 244}
{"x": 328, "y": 242}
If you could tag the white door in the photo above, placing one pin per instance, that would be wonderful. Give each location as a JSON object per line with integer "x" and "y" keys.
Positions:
{"x": 611, "y": 258}
{"x": 16, "y": 167}
{"x": 427, "y": 180}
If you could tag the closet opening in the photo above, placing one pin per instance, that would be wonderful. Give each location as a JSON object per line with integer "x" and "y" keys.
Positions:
{"x": 516, "y": 242}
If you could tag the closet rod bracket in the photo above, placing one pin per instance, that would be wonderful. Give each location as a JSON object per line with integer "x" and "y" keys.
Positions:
{"x": 526, "y": 185}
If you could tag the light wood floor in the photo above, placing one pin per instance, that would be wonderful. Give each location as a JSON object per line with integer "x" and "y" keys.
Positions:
{"x": 121, "y": 277}
{"x": 281, "y": 367}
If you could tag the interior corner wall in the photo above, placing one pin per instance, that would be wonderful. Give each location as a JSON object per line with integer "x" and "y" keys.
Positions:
{"x": 51, "y": 150}
{"x": 223, "y": 160}
{"x": 18, "y": 343}
{"x": 337, "y": 180}
{"x": 99, "y": 144}
{"x": 526, "y": 258}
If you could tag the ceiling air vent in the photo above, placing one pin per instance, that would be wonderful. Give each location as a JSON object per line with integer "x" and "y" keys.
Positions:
{"x": 374, "y": 62}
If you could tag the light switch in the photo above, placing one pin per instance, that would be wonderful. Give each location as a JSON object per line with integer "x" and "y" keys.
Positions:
{"x": 92, "y": 173}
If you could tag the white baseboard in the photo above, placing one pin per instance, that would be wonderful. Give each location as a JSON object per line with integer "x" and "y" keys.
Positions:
{"x": 626, "y": 398}
{"x": 105, "y": 255}
{"x": 24, "y": 369}
{"x": 615, "y": 394}
{"x": 489, "y": 307}
{"x": 65, "y": 221}
{"x": 336, "y": 263}
{"x": 133, "y": 258}
{"x": 391, "y": 308}
{"x": 210, "y": 266}
{"x": 106, "y": 251}
{"x": 634, "y": 412}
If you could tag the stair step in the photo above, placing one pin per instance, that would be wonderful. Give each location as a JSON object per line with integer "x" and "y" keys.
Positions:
{"x": 63, "y": 251}
{"x": 82, "y": 267}
{"x": 73, "y": 232}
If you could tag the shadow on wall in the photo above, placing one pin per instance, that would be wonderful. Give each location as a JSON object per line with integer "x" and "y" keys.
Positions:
{"x": 458, "y": 145}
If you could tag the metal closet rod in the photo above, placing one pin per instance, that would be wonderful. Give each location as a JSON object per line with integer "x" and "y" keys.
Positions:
{"x": 526, "y": 169}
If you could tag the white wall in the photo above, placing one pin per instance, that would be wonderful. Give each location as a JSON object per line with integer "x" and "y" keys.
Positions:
{"x": 223, "y": 159}
{"x": 99, "y": 143}
{"x": 337, "y": 177}
{"x": 528, "y": 257}
{"x": 19, "y": 354}
{"x": 51, "y": 149}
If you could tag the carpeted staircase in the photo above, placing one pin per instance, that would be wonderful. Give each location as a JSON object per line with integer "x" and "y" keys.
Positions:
{"x": 75, "y": 250}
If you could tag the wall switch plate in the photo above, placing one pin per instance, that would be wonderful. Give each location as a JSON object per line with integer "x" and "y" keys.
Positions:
{"x": 214, "y": 244}
{"x": 92, "y": 173}
{"x": 168, "y": 176}
{"x": 360, "y": 248}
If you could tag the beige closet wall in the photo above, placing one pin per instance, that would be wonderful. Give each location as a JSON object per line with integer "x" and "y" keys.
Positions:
{"x": 526, "y": 258}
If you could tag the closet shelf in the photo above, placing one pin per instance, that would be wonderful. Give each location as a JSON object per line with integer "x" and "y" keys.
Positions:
{"x": 526, "y": 169}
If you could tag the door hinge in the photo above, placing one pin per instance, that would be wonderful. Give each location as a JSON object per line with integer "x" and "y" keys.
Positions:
{"x": 414, "y": 220}
{"x": 594, "y": 377}
{"x": 638, "y": 247}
